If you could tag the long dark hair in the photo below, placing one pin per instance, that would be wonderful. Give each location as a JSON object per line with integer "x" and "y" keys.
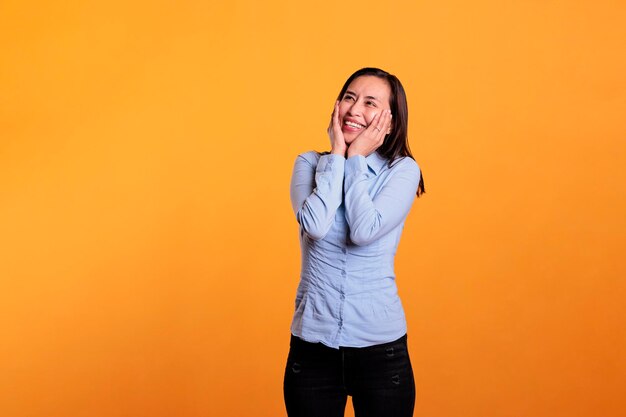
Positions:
{"x": 396, "y": 144}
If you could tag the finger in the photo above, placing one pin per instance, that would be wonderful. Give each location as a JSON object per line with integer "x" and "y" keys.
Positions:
{"x": 390, "y": 124}
{"x": 336, "y": 115}
{"x": 381, "y": 125}
{"x": 373, "y": 127}
{"x": 387, "y": 122}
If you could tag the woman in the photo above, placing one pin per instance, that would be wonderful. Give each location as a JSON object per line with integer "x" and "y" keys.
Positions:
{"x": 349, "y": 330}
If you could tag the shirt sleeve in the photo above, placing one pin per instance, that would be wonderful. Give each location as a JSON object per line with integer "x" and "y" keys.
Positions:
{"x": 370, "y": 219}
{"x": 317, "y": 192}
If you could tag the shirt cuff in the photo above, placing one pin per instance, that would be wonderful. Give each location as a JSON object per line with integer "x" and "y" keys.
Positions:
{"x": 329, "y": 162}
{"x": 329, "y": 173}
{"x": 355, "y": 165}
{"x": 334, "y": 157}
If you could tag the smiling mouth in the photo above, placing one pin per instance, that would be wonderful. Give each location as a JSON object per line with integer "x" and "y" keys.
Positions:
{"x": 353, "y": 124}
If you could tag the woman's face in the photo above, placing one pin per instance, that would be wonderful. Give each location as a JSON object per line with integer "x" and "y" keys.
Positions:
{"x": 365, "y": 97}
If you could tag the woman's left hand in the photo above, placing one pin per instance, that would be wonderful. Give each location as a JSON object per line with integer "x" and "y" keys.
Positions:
{"x": 373, "y": 137}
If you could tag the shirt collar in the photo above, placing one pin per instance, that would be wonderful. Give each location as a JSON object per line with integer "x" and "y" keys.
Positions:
{"x": 375, "y": 162}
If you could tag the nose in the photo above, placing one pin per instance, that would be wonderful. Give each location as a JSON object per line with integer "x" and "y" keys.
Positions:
{"x": 355, "y": 109}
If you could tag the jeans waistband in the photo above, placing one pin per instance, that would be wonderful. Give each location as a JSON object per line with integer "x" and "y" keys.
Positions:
{"x": 298, "y": 342}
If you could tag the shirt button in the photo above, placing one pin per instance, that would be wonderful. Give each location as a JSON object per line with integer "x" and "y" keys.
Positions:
{"x": 343, "y": 273}
{"x": 342, "y": 297}
{"x": 340, "y": 323}
{"x": 343, "y": 250}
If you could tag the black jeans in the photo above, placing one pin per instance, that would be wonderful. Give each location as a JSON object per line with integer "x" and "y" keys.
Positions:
{"x": 318, "y": 380}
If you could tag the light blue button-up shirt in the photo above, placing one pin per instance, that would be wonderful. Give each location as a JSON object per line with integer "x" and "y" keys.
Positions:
{"x": 351, "y": 213}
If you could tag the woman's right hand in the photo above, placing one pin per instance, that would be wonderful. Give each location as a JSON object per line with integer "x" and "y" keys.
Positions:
{"x": 337, "y": 142}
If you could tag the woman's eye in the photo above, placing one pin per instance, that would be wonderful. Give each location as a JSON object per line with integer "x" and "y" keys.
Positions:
{"x": 348, "y": 98}
{"x": 371, "y": 103}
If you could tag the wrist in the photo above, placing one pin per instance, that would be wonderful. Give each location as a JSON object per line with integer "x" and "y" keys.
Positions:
{"x": 352, "y": 152}
{"x": 338, "y": 151}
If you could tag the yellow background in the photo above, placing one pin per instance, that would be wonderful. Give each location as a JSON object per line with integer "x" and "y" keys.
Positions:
{"x": 148, "y": 252}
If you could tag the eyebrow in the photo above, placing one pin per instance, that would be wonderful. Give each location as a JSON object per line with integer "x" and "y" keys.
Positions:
{"x": 354, "y": 94}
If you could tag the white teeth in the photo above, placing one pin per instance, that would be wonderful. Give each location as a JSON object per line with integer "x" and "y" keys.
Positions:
{"x": 355, "y": 125}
